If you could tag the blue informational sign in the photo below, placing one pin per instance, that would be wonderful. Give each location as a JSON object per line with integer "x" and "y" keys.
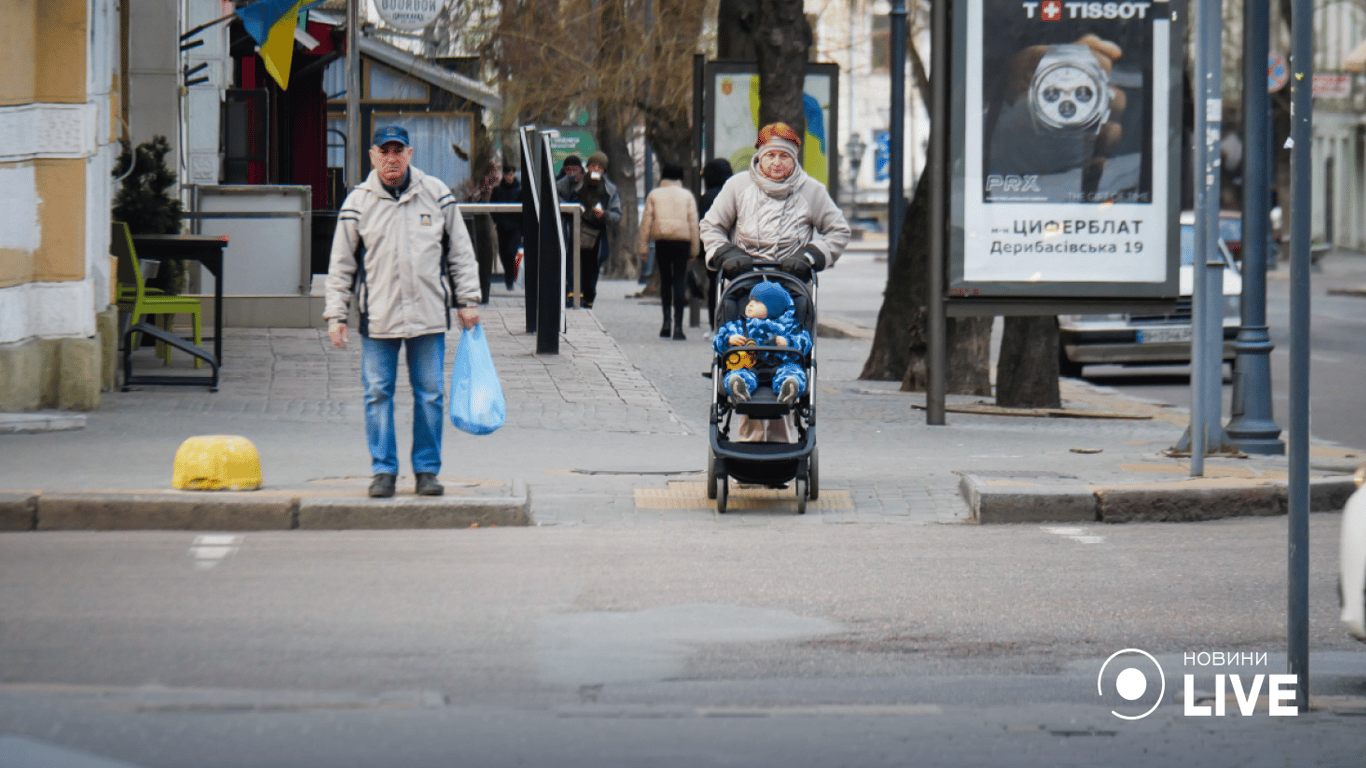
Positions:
{"x": 882, "y": 155}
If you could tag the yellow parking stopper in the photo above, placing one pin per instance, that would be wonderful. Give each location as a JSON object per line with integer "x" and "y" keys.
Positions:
{"x": 217, "y": 463}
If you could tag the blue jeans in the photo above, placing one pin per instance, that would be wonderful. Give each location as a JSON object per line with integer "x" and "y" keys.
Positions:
{"x": 426, "y": 357}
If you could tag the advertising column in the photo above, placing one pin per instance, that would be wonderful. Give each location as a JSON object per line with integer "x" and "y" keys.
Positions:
{"x": 1067, "y": 163}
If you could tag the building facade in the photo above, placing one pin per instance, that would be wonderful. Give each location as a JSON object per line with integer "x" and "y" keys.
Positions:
{"x": 58, "y": 83}
{"x": 1339, "y": 152}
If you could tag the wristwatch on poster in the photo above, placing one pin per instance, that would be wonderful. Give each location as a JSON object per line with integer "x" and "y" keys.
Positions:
{"x": 1070, "y": 91}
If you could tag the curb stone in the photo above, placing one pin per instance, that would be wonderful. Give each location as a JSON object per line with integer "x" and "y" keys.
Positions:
{"x": 1158, "y": 504}
{"x": 409, "y": 513}
{"x": 18, "y": 511}
{"x": 251, "y": 511}
{"x": 1025, "y": 500}
{"x": 835, "y": 328}
{"x": 993, "y": 502}
{"x": 40, "y": 421}
{"x": 182, "y": 511}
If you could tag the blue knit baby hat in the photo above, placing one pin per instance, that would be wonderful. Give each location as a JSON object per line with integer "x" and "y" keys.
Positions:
{"x": 773, "y": 296}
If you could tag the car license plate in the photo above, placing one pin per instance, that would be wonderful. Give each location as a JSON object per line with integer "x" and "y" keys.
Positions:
{"x": 1160, "y": 335}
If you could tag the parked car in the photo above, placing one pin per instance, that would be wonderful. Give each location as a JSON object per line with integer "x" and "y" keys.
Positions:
{"x": 1352, "y": 560}
{"x": 1150, "y": 339}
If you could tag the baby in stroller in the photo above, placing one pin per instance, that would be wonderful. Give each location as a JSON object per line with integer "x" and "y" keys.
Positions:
{"x": 769, "y": 321}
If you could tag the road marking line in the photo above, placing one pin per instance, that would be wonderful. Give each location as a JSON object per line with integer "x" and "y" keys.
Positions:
{"x": 209, "y": 549}
{"x": 1074, "y": 533}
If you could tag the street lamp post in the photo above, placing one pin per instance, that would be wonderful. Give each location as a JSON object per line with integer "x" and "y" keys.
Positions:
{"x": 896, "y": 189}
{"x": 1252, "y": 428}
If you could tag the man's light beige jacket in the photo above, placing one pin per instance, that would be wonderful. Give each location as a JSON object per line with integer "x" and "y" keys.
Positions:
{"x": 389, "y": 252}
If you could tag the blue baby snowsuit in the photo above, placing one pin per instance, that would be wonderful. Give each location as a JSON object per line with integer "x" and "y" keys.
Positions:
{"x": 780, "y": 321}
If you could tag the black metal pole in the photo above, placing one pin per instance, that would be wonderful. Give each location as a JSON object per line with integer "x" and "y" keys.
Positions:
{"x": 1253, "y": 428}
{"x": 531, "y": 224}
{"x": 550, "y": 254}
{"x": 896, "y": 186}
{"x": 1301, "y": 136}
{"x": 939, "y": 142}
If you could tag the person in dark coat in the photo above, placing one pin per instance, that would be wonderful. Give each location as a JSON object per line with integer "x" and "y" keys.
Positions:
{"x": 508, "y": 225}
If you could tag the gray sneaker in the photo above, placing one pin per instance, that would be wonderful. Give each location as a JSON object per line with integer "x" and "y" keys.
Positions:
{"x": 382, "y": 485}
{"x": 739, "y": 390}
{"x": 428, "y": 486}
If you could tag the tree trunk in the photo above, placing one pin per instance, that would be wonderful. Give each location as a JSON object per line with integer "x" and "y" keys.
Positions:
{"x": 900, "y": 343}
{"x": 1027, "y": 370}
{"x": 900, "y": 348}
{"x": 613, "y": 122}
{"x": 901, "y": 322}
{"x": 735, "y": 27}
{"x": 782, "y": 41}
{"x": 668, "y": 129}
{"x": 621, "y": 170}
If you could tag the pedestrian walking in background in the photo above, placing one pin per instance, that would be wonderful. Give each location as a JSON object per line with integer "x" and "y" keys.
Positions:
{"x": 601, "y": 206}
{"x": 481, "y": 228}
{"x": 670, "y": 221}
{"x": 714, "y": 176}
{"x": 402, "y": 251}
{"x": 776, "y": 212}
{"x": 508, "y": 225}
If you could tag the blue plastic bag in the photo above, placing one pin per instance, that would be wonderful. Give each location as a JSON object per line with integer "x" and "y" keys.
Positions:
{"x": 477, "y": 404}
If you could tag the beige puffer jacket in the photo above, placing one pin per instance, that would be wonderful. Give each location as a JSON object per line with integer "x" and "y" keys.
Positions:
{"x": 770, "y": 220}
{"x": 403, "y": 293}
{"x": 670, "y": 214}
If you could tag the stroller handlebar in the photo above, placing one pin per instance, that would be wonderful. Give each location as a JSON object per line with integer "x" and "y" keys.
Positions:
{"x": 766, "y": 348}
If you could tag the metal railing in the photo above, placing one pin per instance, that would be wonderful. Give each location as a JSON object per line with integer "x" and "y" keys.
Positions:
{"x": 573, "y": 210}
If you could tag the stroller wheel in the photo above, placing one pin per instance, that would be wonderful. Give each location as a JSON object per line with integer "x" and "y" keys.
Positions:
{"x": 711, "y": 474}
{"x": 813, "y": 475}
{"x": 721, "y": 492}
{"x": 801, "y": 496}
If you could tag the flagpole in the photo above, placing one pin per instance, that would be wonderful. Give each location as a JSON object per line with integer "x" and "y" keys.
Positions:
{"x": 353, "y": 143}
{"x": 192, "y": 32}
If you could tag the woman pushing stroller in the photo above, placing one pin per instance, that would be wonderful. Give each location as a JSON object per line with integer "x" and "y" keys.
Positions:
{"x": 775, "y": 213}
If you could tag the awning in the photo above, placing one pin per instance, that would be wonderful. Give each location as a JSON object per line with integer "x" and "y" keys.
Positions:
{"x": 1356, "y": 60}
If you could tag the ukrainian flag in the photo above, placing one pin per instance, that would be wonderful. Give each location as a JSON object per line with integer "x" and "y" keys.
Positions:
{"x": 271, "y": 24}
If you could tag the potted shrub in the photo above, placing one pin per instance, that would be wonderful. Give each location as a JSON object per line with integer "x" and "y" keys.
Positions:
{"x": 145, "y": 204}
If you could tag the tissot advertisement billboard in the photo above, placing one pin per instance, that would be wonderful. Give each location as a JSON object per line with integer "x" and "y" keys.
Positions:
{"x": 1065, "y": 164}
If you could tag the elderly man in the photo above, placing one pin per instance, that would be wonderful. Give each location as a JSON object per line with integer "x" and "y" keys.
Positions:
{"x": 401, "y": 247}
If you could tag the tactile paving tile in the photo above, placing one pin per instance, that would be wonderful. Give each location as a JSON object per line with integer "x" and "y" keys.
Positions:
{"x": 694, "y": 496}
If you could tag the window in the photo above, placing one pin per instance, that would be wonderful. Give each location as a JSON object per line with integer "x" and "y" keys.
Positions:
{"x": 881, "y": 42}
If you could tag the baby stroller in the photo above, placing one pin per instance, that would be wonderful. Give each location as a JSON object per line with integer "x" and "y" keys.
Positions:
{"x": 768, "y": 464}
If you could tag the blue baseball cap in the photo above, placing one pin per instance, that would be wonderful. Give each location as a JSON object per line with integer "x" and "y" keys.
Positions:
{"x": 391, "y": 133}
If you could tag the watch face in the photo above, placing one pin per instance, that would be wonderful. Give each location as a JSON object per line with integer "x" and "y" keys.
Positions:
{"x": 1069, "y": 94}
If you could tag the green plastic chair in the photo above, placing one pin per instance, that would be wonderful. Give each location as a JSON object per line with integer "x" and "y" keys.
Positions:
{"x": 135, "y": 298}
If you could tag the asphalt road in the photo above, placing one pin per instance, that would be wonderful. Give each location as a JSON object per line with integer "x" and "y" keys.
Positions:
{"x": 1337, "y": 357}
{"x": 796, "y": 645}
